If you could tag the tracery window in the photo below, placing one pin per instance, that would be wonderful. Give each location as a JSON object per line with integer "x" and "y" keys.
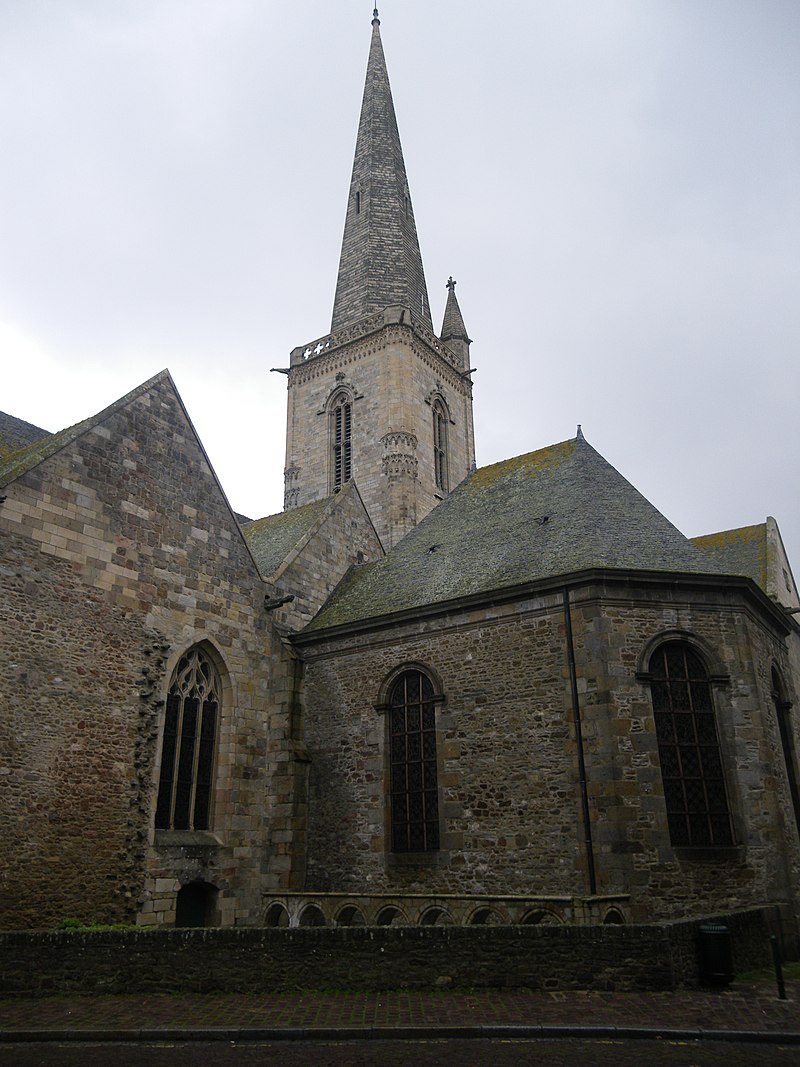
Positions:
{"x": 341, "y": 441}
{"x": 187, "y": 754}
{"x": 782, "y": 712}
{"x": 688, "y": 747}
{"x": 440, "y": 465}
{"x": 414, "y": 796}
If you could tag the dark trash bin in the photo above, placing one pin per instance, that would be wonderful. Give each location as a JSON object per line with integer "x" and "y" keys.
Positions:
{"x": 715, "y": 954}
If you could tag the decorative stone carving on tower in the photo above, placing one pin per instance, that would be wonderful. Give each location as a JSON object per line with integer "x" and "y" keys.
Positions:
{"x": 382, "y": 338}
{"x": 399, "y": 453}
{"x": 290, "y": 490}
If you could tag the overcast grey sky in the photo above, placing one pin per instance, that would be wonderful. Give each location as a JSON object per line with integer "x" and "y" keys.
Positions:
{"x": 613, "y": 184}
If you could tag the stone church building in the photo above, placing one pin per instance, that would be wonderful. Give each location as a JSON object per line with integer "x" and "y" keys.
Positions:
{"x": 424, "y": 693}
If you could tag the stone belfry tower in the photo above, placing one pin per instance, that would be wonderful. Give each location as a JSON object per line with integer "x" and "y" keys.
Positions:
{"x": 381, "y": 400}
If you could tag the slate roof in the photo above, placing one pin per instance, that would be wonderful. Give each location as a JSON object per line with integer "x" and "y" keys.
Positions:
{"x": 380, "y": 263}
{"x": 272, "y": 538}
{"x": 24, "y": 459}
{"x": 549, "y": 513}
{"x": 742, "y": 551}
{"x": 16, "y": 434}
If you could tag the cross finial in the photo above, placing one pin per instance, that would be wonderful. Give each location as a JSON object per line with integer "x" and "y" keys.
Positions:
{"x": 451, "y": 285}
{"x": 375, "y": 20}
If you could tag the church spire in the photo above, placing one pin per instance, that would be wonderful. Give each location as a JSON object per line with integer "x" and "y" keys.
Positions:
{"x": 380, "y": 264}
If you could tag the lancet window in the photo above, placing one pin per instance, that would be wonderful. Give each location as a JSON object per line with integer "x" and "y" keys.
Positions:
{"x": 688, "y": 747}
{"x": 341, "y": 441}
{"x": 188, "y": 748}
{"x": 440, "y": 464}
{"x": 414, "y": 797}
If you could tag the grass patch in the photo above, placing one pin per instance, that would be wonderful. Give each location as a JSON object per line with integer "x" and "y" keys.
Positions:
{"x": 791, "y": 973}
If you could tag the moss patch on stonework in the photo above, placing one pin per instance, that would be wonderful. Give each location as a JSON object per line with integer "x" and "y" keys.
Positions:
{"x": 272, "y": 538}
{"x": 16, "y": 434}
{"x": 740, "y": 551}
{"x": 549, "y": 513}
{"x": 527, "y": 466}
{"x": 25, "y": 459}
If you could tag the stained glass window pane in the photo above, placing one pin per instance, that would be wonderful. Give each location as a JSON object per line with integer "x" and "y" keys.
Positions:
{"x": 187, "y": 754}
{"x": 166, "y": 778}
{"x": 413, "y": 771}
{"x": 691, "y": 766}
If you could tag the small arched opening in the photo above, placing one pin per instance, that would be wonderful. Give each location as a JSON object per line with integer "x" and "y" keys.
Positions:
{"x": 350, "y": 915}
{"x": 435, "y": 917}
{"x": 196, "y": 905}
{"x": 540, "y": 917}
{"x": 311, "y": 915}
{"x": 277, "y": 916}
{"x": 390, "y": 916}
{"x": 613, "y": 917}
{"x": 485, "y": 917}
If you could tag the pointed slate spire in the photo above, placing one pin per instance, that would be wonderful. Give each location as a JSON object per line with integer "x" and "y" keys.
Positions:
{"x": 454, "y": 332}
{"x": 381, "y": 264}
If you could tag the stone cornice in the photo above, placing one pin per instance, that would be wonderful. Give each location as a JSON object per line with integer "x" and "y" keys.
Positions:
{"x": 675, "y": 581}
{"x": 323, "y": 353}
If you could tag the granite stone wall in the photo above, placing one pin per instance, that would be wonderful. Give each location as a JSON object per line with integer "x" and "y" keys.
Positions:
{"x": 254, "y": 961}
{"x": 509, "y": 790}
{"x": 392, "y": 376}
{"x": 119, "y": 552}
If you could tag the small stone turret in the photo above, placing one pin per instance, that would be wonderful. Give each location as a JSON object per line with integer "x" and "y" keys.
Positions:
{"x": 454, "y": 332}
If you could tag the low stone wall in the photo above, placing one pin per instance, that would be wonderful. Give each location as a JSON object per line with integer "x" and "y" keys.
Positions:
{"x": 369, "y": 958}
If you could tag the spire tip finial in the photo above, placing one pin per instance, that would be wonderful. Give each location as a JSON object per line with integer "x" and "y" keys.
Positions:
{"x": 451, "y": 285}
{"x": 375, "y": 19}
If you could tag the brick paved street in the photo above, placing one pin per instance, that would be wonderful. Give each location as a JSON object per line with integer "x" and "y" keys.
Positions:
{"x": 744, "y": 1007}
{"x": 564, "y": 1052}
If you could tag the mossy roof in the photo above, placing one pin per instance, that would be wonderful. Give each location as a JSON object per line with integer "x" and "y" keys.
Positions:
{"x": 549, "y": 513}
{"x": 16, "y": 434}
{"x": 742, "y": 551}
{"x": 272, "y": 538}
{"x": 24, "y": 459}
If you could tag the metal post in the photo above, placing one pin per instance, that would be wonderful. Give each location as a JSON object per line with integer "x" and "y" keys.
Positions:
{"x": 776, "y": 959}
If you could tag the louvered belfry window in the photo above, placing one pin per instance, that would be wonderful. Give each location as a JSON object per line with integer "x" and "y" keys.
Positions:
{"x": 187, "y": 755}
{"x": 341, "y": 430}
{"x": 440, "y": 446}
{"x": 688, "y": 747}
{"x": 414, "y": 785}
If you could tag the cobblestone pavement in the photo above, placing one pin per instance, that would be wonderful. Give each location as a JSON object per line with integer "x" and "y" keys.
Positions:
{"x": 564, "y": 1052}
{"x": 751, "y": 1007}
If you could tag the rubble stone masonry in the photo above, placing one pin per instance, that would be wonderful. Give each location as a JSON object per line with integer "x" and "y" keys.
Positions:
{"x": 119, "y": 553}
{"x": 509, "y": 791}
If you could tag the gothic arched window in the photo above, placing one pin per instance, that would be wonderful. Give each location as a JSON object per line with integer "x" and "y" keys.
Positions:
{"x": 341, "y": 441}
{"x": 440, "y": 464}
{"x": 782, "y": 710}
{"x": 688, "y": 747}
{"x": 414, "y": 793}
{"x": 187, "y": 754}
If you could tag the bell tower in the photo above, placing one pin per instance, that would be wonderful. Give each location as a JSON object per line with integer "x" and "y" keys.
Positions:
{"x": 381, "y": 399}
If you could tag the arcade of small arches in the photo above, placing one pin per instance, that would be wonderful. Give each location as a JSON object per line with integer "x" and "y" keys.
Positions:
{"x": 309, "y": 910}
